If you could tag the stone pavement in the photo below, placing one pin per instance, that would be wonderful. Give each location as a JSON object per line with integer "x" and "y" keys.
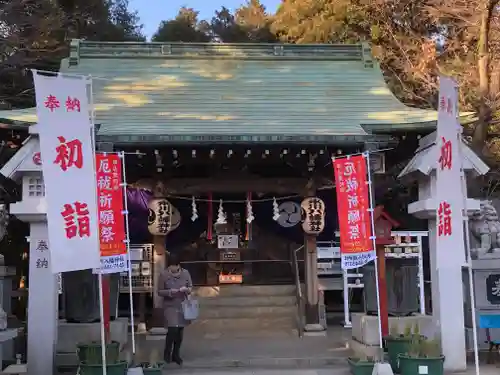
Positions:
{"x": 484, "y": 370}
{"x": 256, "y": 372}
{"x": 330, "y": 350}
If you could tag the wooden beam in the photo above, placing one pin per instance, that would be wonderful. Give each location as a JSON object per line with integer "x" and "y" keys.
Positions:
{"x": 181, "y": 186}
{"x": 229, "y": 184}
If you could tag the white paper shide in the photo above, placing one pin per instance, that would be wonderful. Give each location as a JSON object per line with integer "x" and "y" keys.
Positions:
{"x": 69, "y": 172}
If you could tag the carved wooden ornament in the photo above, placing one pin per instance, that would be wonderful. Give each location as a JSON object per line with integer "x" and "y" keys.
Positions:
{"x": 313, "y": 215}
{"x": 159, "y": 217}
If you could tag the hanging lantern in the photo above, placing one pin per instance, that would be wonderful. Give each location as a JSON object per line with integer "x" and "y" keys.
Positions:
{"x": 313, "y": 215}
{"x": 175, "y": 220}
{"x": 160, "y": 217}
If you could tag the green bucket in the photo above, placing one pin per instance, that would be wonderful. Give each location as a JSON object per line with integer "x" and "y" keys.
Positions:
{"x": 118, "y": 368}
{"x": 152, "y": 369}
{"x": 396, "y": 346}
{"x": 417, "y": 365}
{"x": 358, "y": 367}
{"x": 91, "y": 353}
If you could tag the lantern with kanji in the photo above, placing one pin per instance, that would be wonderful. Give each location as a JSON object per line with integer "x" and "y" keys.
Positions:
{"x": 313, "y": 215}
{"x": 159, "y": 217}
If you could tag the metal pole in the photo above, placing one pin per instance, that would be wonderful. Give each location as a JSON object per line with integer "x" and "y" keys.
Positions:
{"x": 127, "y": 239}
{"x": 374, "y": 237}
{"x": 101, "y": 296}
{"x": 421, "y": 276}
{"x": 103, "y": 333}
{"x": 465, "y": 217}
{"x": 347, "y": 313}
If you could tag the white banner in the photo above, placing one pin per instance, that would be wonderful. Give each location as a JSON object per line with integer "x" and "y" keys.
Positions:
{"x": 69, "y": 171}
{"x": 449, "y": 194}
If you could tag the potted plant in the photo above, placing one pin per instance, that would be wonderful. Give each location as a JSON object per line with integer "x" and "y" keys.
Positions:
{"x": 92, "y": 352}
{"x": 362, "y": 365}
{"x": 90, "y": 359}
{"x": 399, "y": 343}
{"x": 154, "y": 366}
{"x": 423, "y": 356}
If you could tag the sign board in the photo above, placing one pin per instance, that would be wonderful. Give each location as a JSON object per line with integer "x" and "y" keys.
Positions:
{"x": 353, "y": 210}
{"x": 227, "y": 241}
{"x": 328, "y": 252}
{"x": 230, "y": 279}
{"x": 111, "y": 213}
{"x": 66, "y": 147}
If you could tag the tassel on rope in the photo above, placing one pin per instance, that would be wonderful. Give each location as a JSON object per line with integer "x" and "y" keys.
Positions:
{"x": 210, "y": 217}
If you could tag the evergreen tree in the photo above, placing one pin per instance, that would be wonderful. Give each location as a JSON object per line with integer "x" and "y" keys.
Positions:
{"x": 185, "y": 27}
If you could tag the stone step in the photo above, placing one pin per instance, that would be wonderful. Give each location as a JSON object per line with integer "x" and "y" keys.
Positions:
{"x": 246, "y": 301}
{"x": 244, "y": 324}
{"x": 255, "y": 312}
{"x": 244, "y": 290}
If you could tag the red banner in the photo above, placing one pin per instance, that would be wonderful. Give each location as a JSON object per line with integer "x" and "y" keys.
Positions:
{"x": 110, "y": 211}
{"x": 353, "y": 205}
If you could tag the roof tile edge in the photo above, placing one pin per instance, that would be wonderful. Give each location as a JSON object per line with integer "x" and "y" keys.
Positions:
{"x": 346, "y": 52}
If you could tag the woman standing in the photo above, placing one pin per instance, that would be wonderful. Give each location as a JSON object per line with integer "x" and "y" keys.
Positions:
{"x": 174, "y": 285}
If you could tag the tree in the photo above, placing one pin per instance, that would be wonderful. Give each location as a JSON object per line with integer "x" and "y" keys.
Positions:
{"x": 319, "y": 21}
{"x": 472, "y": 52}
{"x": 185, "y": 27}
{"x": 225, "y": 28}
{"x": 256, "y": 22}
{"x": 415, "y": 41}
{"x": 36, "y": 34}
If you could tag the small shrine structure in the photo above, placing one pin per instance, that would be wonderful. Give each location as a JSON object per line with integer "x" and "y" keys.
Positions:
{"x": 447, "y": 300}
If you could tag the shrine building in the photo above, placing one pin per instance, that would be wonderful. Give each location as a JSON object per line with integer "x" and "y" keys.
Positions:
{"x": 234, "y": 137}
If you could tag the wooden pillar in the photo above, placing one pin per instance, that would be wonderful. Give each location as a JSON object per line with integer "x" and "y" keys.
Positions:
{"x": 311, "y": 268}
{"x": 311, "y": 255}
{"x": 382, "y": 286}
{"x": 159, "y": 262}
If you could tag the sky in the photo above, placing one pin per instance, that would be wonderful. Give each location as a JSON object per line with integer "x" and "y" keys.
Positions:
{"x": 152, "y": 12}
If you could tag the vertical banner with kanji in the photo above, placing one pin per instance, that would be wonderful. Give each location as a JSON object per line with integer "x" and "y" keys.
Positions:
{"x": 356, "y": 244}
{"x": 68, "y": 167}
{"x": 111, "y": 213}
{"x": 449, "y": 194}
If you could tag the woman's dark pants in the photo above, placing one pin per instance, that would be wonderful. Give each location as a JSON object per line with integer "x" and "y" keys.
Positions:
{"x": 173, "y": 345}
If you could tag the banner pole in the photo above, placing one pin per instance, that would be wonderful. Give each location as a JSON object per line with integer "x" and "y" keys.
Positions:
{"x": 99, "y": 276}
{"x": 129, "y": 260}
{"x": 103, "y": 333}
{"x": 374, "y": 242}
{"x": 465, "y": 220}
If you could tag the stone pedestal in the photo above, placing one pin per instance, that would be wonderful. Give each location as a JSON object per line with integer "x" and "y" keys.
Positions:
{"x": 71, "y": 334}
{"x": 42, "y": 305}
{"x": 365, "y": 338}
{"x": 365, "y": 327}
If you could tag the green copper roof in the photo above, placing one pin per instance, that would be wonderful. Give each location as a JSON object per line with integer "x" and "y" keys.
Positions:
{"x": 168, "y": 92}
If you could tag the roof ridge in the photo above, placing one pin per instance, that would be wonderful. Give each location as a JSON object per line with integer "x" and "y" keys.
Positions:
{"x": 342, "y": 52}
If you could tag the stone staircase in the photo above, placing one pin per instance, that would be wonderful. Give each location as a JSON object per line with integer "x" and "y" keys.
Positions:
{"x": 241, "y": 311}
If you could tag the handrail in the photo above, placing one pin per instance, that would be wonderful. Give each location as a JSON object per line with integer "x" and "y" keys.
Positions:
{"x": 298, "y": 292}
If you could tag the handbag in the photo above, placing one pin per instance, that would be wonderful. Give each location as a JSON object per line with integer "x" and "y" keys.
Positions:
{"x": 190, "y": 308}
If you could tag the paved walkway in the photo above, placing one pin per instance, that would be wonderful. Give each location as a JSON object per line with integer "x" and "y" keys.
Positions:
{"x": 330, "y": 350}
{"x": 484, "y": 370}
{"x": 256, "y": 372}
